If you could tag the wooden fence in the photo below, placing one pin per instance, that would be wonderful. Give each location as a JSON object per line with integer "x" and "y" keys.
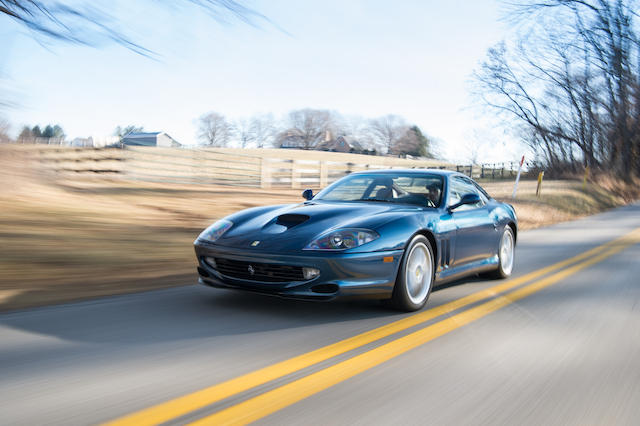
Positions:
{"x": 310, "y": 169}
{"x": 493, "y": 171}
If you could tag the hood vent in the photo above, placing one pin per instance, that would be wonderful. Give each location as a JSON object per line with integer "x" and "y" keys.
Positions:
{"x": 291, "y": 220}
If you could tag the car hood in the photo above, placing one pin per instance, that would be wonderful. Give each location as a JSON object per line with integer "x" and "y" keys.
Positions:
{"x": 292, "y": 227}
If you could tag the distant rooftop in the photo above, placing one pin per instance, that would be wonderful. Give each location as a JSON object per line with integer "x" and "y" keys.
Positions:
{"x": 141, "y": 134}
{"x": 149, "y": 139}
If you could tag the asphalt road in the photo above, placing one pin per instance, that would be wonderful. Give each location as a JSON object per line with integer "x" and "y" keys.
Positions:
{"x": 560, "y": 346}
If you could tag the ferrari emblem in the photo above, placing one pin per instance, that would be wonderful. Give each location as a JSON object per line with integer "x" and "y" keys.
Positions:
{"x": 251, "y": 270}
{"x": 255, "y": 243}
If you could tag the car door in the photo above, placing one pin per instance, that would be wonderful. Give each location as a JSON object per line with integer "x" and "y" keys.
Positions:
{"x": 475, "y": 230}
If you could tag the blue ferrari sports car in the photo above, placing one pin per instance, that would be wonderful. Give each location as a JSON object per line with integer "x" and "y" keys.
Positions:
{"x": 390, "y": 234}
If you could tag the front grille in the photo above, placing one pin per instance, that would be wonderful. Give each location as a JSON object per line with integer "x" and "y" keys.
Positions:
{"x": 266, "y": 272}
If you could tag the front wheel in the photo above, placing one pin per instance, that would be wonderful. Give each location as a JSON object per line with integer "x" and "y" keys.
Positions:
{"x": 415, "y": 277}
{"x": 506, "y": 254}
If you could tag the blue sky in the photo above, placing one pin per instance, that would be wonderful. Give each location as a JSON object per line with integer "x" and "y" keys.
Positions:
{"x": 367, "y": 58}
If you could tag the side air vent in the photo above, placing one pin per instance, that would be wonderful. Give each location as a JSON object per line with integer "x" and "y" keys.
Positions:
{"x": 291, "y": 220}
{"x": 445, "y": 253}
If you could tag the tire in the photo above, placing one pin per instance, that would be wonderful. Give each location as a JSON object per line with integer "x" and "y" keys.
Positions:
{"x": 415, "y": 277}
{"x": 506, "y": 255}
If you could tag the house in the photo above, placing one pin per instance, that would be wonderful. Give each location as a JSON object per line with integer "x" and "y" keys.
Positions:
{"x": 291, "y": 140}
{"x": 339, "y": 144}
{"x": 294, "y": 140}
{"x": 160, "y": 139}
{"x": 343, "y": 144}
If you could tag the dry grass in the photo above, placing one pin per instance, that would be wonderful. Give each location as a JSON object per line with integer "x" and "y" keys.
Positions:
{"x": 69, "y": 240}
{"x": 558, "y": 201}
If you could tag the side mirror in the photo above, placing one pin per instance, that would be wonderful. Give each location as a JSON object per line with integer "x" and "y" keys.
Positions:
{"x": 307, "y": 194}
{"x": 470, "y": 198}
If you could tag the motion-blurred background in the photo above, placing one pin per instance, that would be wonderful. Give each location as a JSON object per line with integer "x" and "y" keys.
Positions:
{"x": 127, "y": 127}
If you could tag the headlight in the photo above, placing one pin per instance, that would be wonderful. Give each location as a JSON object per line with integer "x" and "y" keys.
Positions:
{"x": 342, "y": 239}
{"x": 216, "y": 230}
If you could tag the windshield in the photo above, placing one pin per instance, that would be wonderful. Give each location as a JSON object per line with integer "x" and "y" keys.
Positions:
{"x": 423, "y": 190}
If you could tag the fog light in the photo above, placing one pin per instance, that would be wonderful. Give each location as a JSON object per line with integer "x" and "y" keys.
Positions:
{"x": 310, "y": 273}
{"x": 211, "y": 262}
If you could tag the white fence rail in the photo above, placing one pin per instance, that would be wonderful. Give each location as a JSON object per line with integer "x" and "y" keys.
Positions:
{"x": 209, "y": 166}
{"x": 229, "y": 167}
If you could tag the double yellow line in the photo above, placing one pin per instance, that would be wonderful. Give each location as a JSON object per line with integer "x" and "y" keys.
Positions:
{"x": 264, "y": 404}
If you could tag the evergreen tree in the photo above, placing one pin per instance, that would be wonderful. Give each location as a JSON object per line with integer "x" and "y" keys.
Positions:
{"x": 48, "y": 131}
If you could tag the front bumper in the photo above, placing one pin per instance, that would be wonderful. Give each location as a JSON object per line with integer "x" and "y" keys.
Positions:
{"x": 343, "y": 275}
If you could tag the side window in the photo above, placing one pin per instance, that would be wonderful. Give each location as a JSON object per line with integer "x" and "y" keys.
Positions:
{"x": 483, "y": 195}
{"x": 458, "y": 187}
{"x": 427, "y": 188}
{"x": 486, "y": 197}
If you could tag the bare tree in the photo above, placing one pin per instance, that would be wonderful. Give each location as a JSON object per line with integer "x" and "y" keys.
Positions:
{"x": 474, "y": 148}
{"x": 4, "y": 130}
{"x": 90, "y": 24}
{"x": 123, "y": 131}
{"x": 214, "y": 130}
{"x": 503, "y": 89}
{"x": 309, "y": 128}
{"x": 26, "y": 135}
{"x": 387, "y": 131}
{"x": 573, "y": 83}
{"x": 355, "y": 127}
{"x": 243, "y": 132}
{"x": 306, "y": 128}
{"x": 263, "y": 129}
{"x": 413, "y": 142}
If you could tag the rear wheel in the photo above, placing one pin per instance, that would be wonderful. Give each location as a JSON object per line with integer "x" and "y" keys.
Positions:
{"x": 506, "y": 255}
{"x": 415, "y": 277}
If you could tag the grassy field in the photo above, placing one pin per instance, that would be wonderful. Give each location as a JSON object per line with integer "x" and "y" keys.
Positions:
{"x": 69, "y": 240}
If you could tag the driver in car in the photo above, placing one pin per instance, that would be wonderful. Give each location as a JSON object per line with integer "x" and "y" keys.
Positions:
{"x": 434, "y": 193}
{"x": 386, "y": 192}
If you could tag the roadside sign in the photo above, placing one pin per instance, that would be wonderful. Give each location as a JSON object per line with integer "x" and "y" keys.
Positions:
{"x": 515, "y": 187}
{"x": 539, "y": 187}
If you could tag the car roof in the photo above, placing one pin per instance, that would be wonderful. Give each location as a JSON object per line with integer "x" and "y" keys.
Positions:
{"x": 441, "y": 172}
